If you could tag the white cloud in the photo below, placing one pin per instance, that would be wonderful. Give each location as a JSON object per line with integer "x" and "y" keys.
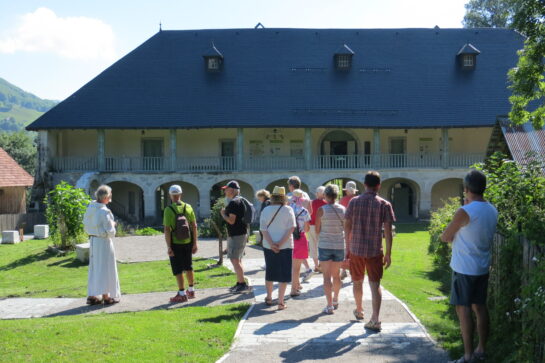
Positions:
{"x": 70, "y": 37}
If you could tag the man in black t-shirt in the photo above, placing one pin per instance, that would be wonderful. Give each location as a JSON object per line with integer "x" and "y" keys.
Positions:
{"x": 237, "y": 230}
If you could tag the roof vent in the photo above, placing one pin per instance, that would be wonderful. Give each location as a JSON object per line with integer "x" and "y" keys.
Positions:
{"x": 467, "y": 57}
{"x": 213, "y": 59}
{"x": 343, "y": 58}
{"x": 259, "y": 26}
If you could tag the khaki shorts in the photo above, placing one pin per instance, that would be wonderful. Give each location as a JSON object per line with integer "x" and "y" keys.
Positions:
{"x": 235, "y": 246}
{"x": 312, "y": 242}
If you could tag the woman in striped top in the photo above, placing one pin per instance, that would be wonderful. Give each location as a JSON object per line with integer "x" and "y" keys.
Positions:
{"x": 331, "y": 245}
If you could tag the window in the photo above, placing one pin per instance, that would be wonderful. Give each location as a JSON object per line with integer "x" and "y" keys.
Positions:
{"x": 296, "y": 148}
{"x": 213, "y": 63}
{"x": 344, "y": 61}
{"x": 468, "y": 60}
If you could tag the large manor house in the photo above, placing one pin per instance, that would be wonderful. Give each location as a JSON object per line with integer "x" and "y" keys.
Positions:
{"x": 201, "y": 107}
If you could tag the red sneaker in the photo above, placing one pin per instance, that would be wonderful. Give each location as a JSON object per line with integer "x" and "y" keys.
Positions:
{"x": 178, "y": 299}
{"x": 190, "y": 294}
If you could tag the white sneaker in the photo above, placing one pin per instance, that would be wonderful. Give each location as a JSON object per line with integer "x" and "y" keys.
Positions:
{"x": 307, "y": 275}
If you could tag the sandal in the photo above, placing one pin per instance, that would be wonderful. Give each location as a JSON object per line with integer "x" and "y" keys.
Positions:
{"x": 269, "y": 301}
{"x": 93, "y": 300}
{"x": 373, "y": 325}
{"x": 358, "y": 314}
{"x": 282, "y": 306}
{"x": 295, "y": 293}
{"x": 110, "y": 301}
{"x": 328, "y": 310}
{"x": 335, "y": 305}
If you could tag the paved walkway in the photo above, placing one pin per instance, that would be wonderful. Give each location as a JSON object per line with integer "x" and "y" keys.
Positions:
{"x": 303, "y": 333}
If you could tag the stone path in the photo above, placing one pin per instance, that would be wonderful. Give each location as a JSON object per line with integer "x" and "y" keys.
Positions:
{"x": 303, "y": 333}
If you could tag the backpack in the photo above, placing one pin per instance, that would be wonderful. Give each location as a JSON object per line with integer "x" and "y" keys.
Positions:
{"x": 250, "y": 215}
{"x": 181, "y": 227}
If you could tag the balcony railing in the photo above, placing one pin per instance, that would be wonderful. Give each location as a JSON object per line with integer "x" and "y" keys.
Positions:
{"x": 229, "y": 164}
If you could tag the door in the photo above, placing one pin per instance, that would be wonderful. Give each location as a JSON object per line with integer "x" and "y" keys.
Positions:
{"x": 152, "y": 152}
{"x": 402, "y": 200}
{"x": 228, "y": 154}
{"x": 398, "y": 147}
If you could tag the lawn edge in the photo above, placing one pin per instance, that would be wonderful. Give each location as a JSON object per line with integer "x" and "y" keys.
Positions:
{"x": 237, "y": 333}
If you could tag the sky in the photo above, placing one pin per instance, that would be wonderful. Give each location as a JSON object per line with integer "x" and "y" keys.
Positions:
{"x": 52, "y": 48}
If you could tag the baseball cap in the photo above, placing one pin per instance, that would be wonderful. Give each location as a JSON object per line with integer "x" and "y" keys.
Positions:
{"x": 175, "y": 189}
{"x": 232, "y": 184}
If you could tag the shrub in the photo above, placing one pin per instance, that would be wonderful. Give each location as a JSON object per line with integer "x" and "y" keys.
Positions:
{"x": 148, "y": 231}
{"x": 65, "y": 207}
{"x": 439, "y": 221}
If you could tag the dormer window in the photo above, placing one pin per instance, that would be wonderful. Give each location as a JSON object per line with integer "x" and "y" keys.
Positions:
{"x": 467, "y": 57}
{"x": 213, "y": 59}
{"x": 343, "y": 58}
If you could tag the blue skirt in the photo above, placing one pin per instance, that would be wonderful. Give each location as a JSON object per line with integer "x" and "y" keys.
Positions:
{"x": 278, "y": 265}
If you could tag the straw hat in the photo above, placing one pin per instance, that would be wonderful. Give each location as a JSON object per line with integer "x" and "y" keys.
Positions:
{"x": 351, "y": 186}
{"x": 279, "y": 190}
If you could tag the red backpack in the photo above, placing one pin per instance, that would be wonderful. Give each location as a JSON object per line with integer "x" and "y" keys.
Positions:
{"x": 181, "y": 227}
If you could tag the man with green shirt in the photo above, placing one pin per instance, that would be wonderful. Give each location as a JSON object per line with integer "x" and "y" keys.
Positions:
{"x": 177, "y": 217}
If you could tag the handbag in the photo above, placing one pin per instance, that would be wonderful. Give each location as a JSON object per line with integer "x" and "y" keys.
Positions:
{"x": 296, "y": 232}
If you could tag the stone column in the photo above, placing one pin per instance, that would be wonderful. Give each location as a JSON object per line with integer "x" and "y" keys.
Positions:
{"x": 240, "y": 148}
{"x": 308, "y": 148}
{"x": 100, "y": 149}
{"x": 425, "y": 202}
{"x": 150, "y": 206}
{"x": 376, "y": 148}
{"x": 445, "y": 147}
{"x": 173, "y": 150}
{"x": 204, "y": 201}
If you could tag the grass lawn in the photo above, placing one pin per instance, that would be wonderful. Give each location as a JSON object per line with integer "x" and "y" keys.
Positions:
{"x": 413, "y": 279}
{"x": 28, "y": 270}
{"x": 193, "y": 334}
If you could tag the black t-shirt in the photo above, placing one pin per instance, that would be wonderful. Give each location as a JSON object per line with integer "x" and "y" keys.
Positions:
{"x": 239, "y": 228}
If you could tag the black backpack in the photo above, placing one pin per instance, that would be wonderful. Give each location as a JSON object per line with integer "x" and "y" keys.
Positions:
{"x": 181, "y": 227}
{"x": 250, "y": 214}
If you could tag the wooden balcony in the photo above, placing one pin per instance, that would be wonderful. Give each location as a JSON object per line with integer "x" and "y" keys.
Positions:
{"x": 229, "y": 164}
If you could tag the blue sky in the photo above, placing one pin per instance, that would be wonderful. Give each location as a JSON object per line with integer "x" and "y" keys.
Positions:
{"x": 52, "y": 48}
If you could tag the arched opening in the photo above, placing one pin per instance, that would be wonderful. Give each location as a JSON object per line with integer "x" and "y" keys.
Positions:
{"x": 404, "y": 195}
{"x": 190, "y": 195}
{"x": 339, "y": 142}
{"x": 127, "y": 201}
{"x": 341, "y": 182}
{"x": 445, "y": 189}
{"x": 284, "y": 183}
{"x": 216, "y": 192}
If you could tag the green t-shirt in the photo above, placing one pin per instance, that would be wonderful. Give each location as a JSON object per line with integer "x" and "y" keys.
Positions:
{"x": 169, "y": 219}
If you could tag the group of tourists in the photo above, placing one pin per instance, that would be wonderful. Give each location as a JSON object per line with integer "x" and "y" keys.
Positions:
{"x": 344, "y": 235}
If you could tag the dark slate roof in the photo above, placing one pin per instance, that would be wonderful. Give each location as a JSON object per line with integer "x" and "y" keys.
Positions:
{"x": 212, "y": 51}
{"x": 400, "y": 78}
{"x": 344, "y": 49}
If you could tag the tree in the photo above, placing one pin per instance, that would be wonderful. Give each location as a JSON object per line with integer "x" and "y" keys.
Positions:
{"x": 21, "y": 146}
{"x": 489, "y": 14}
{"x": 527, "y": 84}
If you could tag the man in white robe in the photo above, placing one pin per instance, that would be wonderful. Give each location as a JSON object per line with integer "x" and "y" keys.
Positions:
{"x": 100, "y": 225}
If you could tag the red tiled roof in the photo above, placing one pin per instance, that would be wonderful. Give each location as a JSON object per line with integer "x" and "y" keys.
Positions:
{"x": 11, "y": 173}
{"x": 524, "y": 139}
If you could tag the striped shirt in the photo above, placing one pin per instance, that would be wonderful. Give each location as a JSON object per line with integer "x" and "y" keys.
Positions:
{"x": 368, "y": 213}
{"x": 332, "y": 227}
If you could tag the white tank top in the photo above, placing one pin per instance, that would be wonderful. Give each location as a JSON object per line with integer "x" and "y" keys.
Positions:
{"x": 472, "y": 245}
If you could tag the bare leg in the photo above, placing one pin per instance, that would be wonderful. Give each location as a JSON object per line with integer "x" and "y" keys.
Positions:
{"x": 281, "y": 292}
{"x": 237, "y": 265}
{"x": 326, "y": 270}
{"x": 180, "y": 281}
{"x": 466, "y": 326}
{"x": 357, "y": 288}
{"x": 376, "y": 293}
{"x": 316, "y": 263}
{"x": 269, "y": 287}
{"x": 190, "y": 277}
{"x": 305, "y": 262}
{"x": 296, "y": 268}
{"x": 481, "y": 311}
{"x": 335, "y": 274}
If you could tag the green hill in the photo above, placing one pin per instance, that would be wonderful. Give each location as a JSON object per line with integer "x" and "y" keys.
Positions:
{"x": 19, "y": 108}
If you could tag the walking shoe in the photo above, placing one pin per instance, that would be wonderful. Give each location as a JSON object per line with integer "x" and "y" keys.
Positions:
{"x": 240, "y": 289}
{"x": 232, "y": 288}
{"x": 307, "y": 275}
{"x": 190, "y": 294}
{"x": 373, "y": 325}
{"x": 328, "y": 310}
{"x": 178, "y": 299}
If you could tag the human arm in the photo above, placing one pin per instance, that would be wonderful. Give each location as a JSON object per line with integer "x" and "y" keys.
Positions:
{"x": 228, "y": 215}
{"x": 389, "y": 240}
{"x": 285, "y": 238}
{"x": 108, "y": 223}
{"x": 460, "y": 219}
{"x": 168, "y": 239}
{"x": 318, "y": 221}
{"x": 194, "y": 237}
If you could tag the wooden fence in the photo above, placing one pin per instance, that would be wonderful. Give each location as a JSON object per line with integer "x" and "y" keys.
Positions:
{"x": 13, "y": 221}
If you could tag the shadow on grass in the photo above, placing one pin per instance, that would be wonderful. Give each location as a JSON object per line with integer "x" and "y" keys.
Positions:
{"x": 68, "y": 263}
{"x": 236, "y": 313}
{"x": 36, "y": 257}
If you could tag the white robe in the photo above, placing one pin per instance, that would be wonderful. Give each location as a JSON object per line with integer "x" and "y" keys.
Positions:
{"x": 99, "y": 221}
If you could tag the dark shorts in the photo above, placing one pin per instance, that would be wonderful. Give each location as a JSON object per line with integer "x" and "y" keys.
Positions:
{"x": 183, "y": 258}
{"x": 467, "y": 289}
{"x": 278, "y": 265}
{"x": 373, "y": 266}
